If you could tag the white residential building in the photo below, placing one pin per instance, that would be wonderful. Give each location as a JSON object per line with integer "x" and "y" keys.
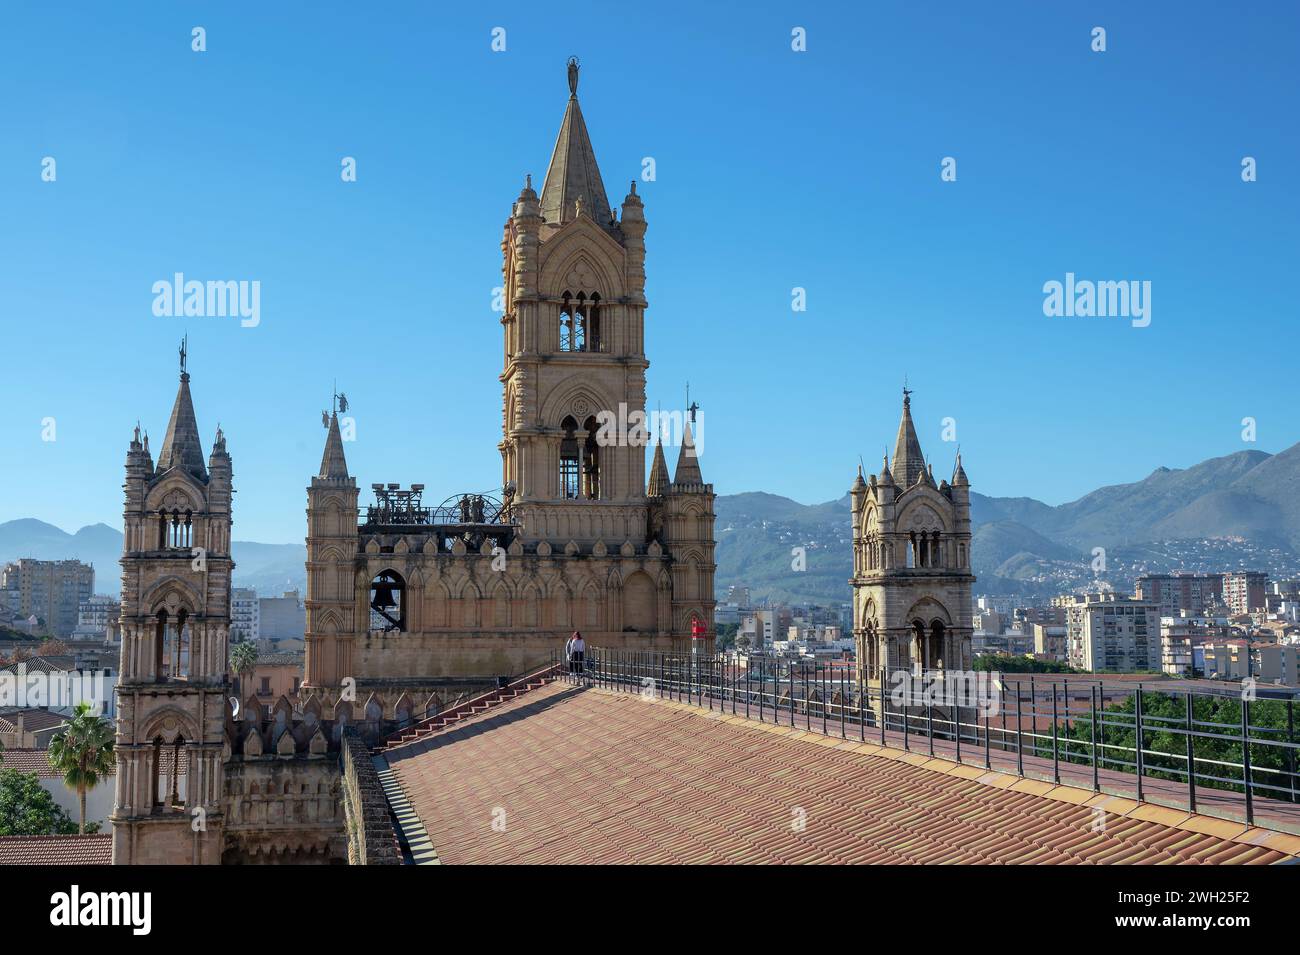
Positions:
{"x": 1107, "y": 632}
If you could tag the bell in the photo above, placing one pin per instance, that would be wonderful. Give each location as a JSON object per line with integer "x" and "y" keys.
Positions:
{"x": 383, "y": 599}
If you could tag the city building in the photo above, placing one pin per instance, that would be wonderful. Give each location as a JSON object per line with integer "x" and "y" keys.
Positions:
{"x": 53, "y": 591}
{"x": 275, "y": 675}
{"x": 1179, "y": 593}
{"x": 1107, "y": 632}
{"x": 1227, "y": 660}
{"x": 1243, "y": 591}
{"x": 911, "y": 563}
{"x": 760, "y": 628}
{"x": 245, "y": 615}
{"x": 281, "y": 618}
{"x": 97, "y": 618}
{"x": 1050, "y": 641}
{"x": 1181, "y": 640}
{"x": 1277, "y": 663}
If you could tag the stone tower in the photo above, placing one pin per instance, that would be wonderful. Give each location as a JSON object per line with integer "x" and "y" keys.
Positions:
{"x": 911, "y": 563}
{"x": 687, "y": 520}
{"x": 574, "y": 325}
{"x": 331, "y": 553}
{"x": 173, "y": 684}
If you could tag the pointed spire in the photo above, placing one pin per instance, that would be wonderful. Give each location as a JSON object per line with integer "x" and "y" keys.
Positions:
{"x": 659, "y": 481}
{"x": 885, "y": 476}
{"x": 332, "y": 463}
{"x": 909, "y": 464}
{"x": 688, "y": 462}
{"x": 181, "y": 445}
{"x": 573, "y": 177}
{"x": 959, "y": 478}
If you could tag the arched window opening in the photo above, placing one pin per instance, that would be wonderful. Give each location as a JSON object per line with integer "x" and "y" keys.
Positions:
{"x": 911, "y": 550}
{"x": 173, "y": 795}
{"x": 919, "y": 639}
{"x": 934, "y": 658}
{"x": 591, "y": 323}
{"x": 159, "y": 793}
{"x": 160, "y": 646}
{"x": 591, "y": 462}
{"x": 388, "y": 602}
{"x": 568, "y": 320}
{"x": 580, "y": 324}
{"x": 162, "y": 530}
{"x": 569, "y": 460}
{"x": 182, "y": 669}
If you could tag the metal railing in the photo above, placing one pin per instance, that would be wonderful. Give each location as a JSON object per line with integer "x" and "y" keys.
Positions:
{"x": 1206, "y": 749}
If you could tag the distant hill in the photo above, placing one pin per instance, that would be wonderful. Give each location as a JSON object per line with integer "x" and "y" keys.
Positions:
{"x": 1240, "y": 510}
{"x": 271, "y": 568}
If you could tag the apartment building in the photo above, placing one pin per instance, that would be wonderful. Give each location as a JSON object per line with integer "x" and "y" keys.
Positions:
{"x": 1243, "y": 591}
{"x": 1181, "y": 593}
{"x": 1107, "y": 632}
{"x": 50, "y": 590}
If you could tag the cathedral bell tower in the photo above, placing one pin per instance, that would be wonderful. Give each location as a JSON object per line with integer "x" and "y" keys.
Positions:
{"x": 574, "y": 330}
{"x": 911, "y": 563}
{"x": 173, "y": 680}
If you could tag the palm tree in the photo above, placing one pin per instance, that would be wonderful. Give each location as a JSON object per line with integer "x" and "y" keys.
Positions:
{"x": 243, "y": 657}
{"x": 83, "y": 752}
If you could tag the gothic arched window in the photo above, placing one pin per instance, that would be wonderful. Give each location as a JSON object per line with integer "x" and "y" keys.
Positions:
{"x": 591, "y": 462}
{"x": 580, "y": 322}
{"x": 388, "y": 602}
{"x": 566, "y": 323}
{"x": 570, "y": 457}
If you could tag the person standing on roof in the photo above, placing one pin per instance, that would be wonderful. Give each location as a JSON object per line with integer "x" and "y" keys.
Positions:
{"x": 575, "y": 650}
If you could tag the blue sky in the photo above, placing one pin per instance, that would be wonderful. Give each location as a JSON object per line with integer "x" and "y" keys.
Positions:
{"x": 775, "y": 169}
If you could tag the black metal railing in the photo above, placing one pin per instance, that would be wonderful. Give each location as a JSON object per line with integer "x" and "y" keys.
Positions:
{"x": 1223, "y": 751}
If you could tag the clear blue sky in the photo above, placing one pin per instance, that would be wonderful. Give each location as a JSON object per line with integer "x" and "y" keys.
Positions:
{"x": 775, "y": 169}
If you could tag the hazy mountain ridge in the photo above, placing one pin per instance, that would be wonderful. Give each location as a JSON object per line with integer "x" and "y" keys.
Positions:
{"x": 271, "y": 568}
{"x": 1238, "y": 510}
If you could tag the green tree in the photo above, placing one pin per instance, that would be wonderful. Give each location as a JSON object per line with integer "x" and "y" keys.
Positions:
{"x": 83, "y": 752}
{"x": 27, "y": 809}
{"x": 991, "y": 663}
{"x": 243, "y": 658}
{"x": 1164, "y": 714}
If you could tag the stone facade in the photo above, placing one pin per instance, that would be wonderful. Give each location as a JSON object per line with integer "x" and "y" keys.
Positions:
{"x": 911, "y": 563}
{"x": 580, "y": 541}
{"x": 173, "y": 683}
{"x": 199, "y": 781}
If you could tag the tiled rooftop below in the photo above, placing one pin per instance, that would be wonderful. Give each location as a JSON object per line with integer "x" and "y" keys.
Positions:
{"x": 565, "y": 774}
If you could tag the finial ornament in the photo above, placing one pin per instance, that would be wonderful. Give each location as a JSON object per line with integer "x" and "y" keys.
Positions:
{"x": 573, "y": 76}
{"x": 183, "y": 349}
{"x": 907, "y": 394}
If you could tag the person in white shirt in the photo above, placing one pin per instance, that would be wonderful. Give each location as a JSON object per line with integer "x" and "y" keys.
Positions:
{"x": 575, "y": 650}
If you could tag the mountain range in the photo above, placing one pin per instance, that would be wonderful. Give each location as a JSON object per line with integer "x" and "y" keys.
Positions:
{"x": 1237, "y": 511}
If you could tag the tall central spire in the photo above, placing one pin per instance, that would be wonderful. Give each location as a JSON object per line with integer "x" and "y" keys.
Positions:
{"x": 182, "y": 446}
{"x": 909, "y": 463}
{"x": 573, "y": 178}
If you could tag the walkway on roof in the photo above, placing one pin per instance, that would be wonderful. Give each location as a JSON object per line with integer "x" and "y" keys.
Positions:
{"x": 580, "y": 775}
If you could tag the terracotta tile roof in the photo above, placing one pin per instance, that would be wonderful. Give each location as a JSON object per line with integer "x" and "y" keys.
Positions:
{"x": 53, "y": 664}
{"x": 33, "y": 761}
{"x": 585, "y": 776}
{"x": 34, "y": 720}
{"x": 96, "y": 849}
